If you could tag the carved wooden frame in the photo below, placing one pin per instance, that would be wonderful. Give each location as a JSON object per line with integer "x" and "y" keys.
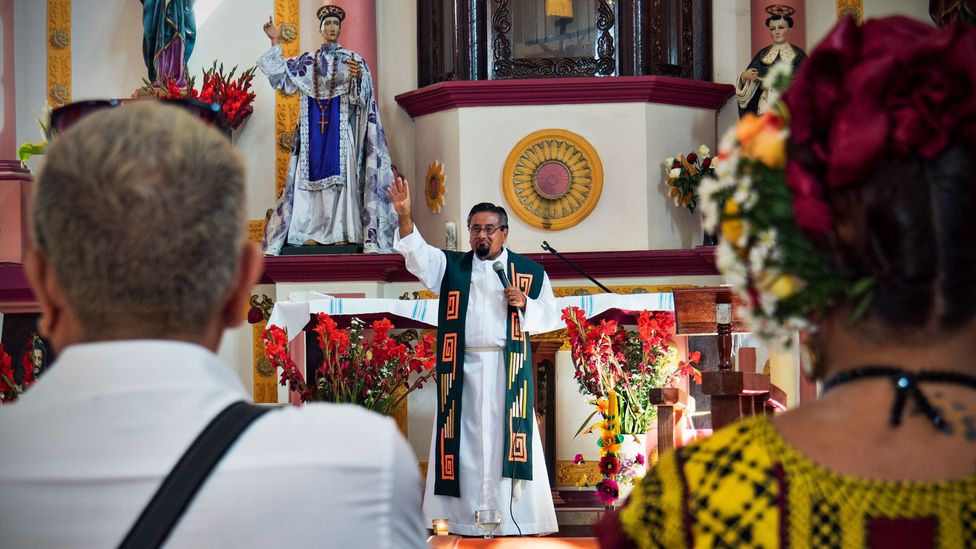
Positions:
{"x": 504, "y": 66}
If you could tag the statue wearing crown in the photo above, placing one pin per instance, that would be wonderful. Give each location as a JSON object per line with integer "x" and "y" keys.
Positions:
{"x": 751, "y": 88}
{"x": 340, "y": 163}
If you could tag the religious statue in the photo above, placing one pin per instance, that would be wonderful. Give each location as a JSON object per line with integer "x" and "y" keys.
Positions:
{"x": 340, "y": 165}
{"x": 170, "y": 31}
{"x": 750, "y": 89}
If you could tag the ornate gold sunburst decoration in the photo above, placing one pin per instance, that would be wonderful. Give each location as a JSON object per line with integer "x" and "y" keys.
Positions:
{"x": 434, "y": 188}
{"x": 553, "y": 179}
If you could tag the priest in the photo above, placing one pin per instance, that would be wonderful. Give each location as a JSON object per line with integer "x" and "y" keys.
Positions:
{"x": 485, "y": 451}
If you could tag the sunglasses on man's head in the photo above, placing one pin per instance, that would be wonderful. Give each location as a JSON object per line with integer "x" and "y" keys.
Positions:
{"x": 68, "y": 115}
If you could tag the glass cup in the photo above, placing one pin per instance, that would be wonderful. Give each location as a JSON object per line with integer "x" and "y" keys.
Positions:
{"x": 487, "y": 520}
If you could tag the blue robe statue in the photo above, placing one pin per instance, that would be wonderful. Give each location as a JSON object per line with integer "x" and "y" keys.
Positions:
{"x": 340, "y": 164}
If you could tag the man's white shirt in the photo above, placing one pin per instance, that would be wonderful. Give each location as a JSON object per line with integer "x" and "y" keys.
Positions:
{"x": 85, "y": 449}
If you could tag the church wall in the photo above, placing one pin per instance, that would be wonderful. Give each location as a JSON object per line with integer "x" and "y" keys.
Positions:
{"x": 8, "y": 84}
{"x": 30, "y": 64}
{"x": 437, "y": 137}
{"x": 632, "y": 139}
{"x": 616, "y": 132}
{"x": 672, "y": 131}
{"x": 396, "y": 31}
{"x": 231, "y": 34}
{"x": 731, "y": 51}
{"x": 106, "y": 49}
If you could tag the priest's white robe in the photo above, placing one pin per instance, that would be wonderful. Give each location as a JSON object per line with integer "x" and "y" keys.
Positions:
{"x": 483, "y": 402}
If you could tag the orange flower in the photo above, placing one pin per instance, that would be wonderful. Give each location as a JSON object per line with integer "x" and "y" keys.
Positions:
{"x": 761, "y": 137}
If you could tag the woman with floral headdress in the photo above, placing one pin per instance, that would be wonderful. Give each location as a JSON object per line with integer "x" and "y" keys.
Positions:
{"x": 846, "y": 211}
{"x": 340, "y": 164}
{"x": 752, "y": 87}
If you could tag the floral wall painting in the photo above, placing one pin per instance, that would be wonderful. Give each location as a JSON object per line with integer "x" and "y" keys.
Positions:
{"x": 434, "y": 188}
{"x": 553, "y": 179}
{"x": 851, "y": 8}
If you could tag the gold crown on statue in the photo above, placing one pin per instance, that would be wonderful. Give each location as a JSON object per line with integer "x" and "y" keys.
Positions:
{"x": 331, "y": 10}
{"x": 780, "y": 10}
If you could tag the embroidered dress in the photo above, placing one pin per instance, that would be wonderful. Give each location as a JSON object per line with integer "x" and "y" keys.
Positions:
{"x": 340, "y": 164}
{"x": 746, "y": 487}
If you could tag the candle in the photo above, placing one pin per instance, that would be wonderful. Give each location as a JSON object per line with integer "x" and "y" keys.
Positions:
{"x": 440, "y": 527}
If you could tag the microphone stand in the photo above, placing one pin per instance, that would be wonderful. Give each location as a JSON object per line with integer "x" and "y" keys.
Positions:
{"x": 550, "y": 249}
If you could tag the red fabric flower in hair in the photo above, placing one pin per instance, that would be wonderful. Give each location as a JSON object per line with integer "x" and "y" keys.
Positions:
{"x": 894, "y": 85}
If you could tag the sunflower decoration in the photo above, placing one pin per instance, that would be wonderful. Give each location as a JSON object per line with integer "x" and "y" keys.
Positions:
{"x": 434, "y": 188}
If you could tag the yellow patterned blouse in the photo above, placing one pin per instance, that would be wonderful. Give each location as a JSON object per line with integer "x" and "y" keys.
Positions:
{"x": 746, "y": 487}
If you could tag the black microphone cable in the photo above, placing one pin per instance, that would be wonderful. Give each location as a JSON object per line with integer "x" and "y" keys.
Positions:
{"x": 499, "y": 269}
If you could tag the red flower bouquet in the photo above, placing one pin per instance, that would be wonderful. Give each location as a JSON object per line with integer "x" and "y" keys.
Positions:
{"x": 234, "y": 95}
{"x": 10, "y": 390}
{"x": 618, "y": 369}
{"x": 376, "y": 371}
{"x": 608, "y": 357}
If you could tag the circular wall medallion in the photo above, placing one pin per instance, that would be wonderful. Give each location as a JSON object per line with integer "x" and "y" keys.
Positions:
{"x": 553, "y": 179}
{"x": 288, "y": 33}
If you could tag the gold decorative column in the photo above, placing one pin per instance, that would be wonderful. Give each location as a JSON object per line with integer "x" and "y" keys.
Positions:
{"x": 265, "y": 380}
{"x": 58, "y": 52}
{"x": 255, "y": 230}
{"x": 851, "y": 8}
{"x": 286, "y": 106}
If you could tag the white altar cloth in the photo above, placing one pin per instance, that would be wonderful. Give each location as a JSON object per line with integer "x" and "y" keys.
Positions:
{"x": 292, "y": 316}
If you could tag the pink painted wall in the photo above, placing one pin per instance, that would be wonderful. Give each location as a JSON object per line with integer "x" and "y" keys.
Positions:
{"x": 8, "y": 135}
{"x": 760, "y": 34}
{"x": 359, "y": 30}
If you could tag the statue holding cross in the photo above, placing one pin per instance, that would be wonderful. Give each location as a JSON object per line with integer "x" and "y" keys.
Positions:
{"x": 340, "y": 164}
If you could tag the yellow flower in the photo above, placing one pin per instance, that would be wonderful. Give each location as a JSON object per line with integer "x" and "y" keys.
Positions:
{"x": 732, "y": 229}
{"x": 784, "y": 286}
{"x": 584, "y": 480}
{"x": 601, "y": 405}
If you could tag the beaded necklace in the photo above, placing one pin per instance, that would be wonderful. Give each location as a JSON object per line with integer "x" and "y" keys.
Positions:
{"x": 332, "y": 83}
{"x": 906, "y": 386}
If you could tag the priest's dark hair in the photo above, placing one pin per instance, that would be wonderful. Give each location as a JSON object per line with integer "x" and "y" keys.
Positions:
{"x": 489, "y": 207}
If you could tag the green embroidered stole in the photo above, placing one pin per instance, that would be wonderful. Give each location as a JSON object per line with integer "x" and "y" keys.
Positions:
{"x": 527, "y": 276}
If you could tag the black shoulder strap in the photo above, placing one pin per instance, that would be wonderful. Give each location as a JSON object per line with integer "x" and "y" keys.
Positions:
{"x": 181, "y": 485}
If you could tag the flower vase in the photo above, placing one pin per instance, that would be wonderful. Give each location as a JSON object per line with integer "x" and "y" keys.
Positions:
{"x": 630, "y": 475}
{"x": 708, "y": 238}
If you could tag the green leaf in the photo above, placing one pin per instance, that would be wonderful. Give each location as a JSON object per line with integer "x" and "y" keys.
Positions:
{"x": 28, "y": 150}
{"x": 862, "y": 286}
{"x": 864, "y": 303}
{"x": 585, "y": 421}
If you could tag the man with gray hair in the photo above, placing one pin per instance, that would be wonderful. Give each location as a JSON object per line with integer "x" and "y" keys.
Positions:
{"x": 139, "y": 265}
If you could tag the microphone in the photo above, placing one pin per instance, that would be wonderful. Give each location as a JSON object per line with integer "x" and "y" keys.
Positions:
{"x": 500, "y": 271}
